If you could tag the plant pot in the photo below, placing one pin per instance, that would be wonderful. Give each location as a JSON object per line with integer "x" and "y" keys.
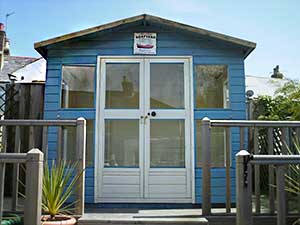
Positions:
{"x": 11, "y": 219}
{"x": 59, "y": 220}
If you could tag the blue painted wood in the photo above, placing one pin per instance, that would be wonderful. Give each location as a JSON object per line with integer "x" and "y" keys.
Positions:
{"x": 74, "y": 114}
{"x": 84, "y": 50}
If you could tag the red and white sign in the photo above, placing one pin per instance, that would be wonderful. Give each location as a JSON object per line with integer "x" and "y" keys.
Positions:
{"x": 144, "y": 43}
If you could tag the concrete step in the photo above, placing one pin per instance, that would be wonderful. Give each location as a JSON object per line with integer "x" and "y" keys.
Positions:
{"x": 135, "y": 218}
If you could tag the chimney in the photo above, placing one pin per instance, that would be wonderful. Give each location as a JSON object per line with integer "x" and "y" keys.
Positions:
{"x": 6, "y": 49}
{"x": 276, "y": 73}
{"x": 2, "y": 45}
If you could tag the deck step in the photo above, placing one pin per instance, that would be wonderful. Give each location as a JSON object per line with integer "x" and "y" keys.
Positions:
{"x": 132, "y": 218}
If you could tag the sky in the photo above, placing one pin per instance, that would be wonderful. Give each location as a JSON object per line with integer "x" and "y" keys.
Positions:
{"x": 273, "y": 24}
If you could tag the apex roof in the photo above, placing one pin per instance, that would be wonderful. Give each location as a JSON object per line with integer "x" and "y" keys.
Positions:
{"x": 248, "y": 45}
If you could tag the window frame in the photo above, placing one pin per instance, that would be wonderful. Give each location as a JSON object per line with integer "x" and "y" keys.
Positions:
{"x": 228, "y": 84}
{"x": 94, "y": 88}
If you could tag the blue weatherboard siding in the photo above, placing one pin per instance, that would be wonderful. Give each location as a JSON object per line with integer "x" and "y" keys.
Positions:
{"x": 84, "y": 50}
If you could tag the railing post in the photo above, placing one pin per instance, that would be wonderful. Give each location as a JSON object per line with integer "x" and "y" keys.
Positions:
{"x": 228, "y": 165}
{"x": 15, "y": 180}
{"x": 206, "y": 165}
{"x": 34, "y": 181}
{"x": 243, "y": 189}
{"x": 2, "y": 172}
{"x": 59, "y": 152}
{"x": 271, "y": 172}
{"x": 280, "y": 191}
{"x": 242, "y": 137}
{"x": 80, "y": 154}
{"x": 256, "y": 173}
{"x": 45, "y": 142}
{"x": 2, "y": 177}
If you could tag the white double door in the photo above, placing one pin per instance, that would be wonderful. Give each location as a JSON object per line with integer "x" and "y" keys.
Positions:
{"x": 144, "y": 130}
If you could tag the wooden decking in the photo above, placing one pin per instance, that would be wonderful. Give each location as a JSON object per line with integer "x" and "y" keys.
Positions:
{"x": 135, "y": 216}
{"x": 118, "y": 216}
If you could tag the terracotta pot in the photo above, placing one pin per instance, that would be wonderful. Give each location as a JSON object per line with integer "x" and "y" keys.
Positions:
{"x": 59, "y": 220}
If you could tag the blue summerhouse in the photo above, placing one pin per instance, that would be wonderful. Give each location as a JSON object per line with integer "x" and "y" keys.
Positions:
{"x": 143, "y": 84}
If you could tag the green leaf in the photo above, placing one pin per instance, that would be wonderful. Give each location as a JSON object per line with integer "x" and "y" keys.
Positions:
{"x": 59, "y": 184}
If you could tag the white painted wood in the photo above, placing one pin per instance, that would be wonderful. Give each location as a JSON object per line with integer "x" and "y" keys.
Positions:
{"x": 191, "y": 169}
{"x": 80, "y": 158}
{"x": 121, "y": 179}
{"x": 168, "y": 180}
{"x": 161, "y": 189}
{"x": 144, "y": 184}
{"x": 102, "y": 189}
{"x": 121, "y": 183}
{"x": 33, "y": 202}
{"x": 97, "y": 161}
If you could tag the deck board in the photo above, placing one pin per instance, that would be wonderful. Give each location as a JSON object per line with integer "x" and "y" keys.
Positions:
{"x": 143, "y": 217}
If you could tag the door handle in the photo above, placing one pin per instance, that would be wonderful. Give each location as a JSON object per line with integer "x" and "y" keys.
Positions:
{"x": 143, "y": 119}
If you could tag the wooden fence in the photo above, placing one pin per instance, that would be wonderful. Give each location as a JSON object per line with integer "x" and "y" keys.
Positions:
{"x": 244, "y": 162}
{"x": 245, "y": 127}
{"x": 34, "y": 160}
{"x": 80, "y": 125}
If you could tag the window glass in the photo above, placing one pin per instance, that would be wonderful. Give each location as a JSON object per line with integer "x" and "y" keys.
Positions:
{"x": 122, "y": 86}
{"x": 121, "y": 143}
{"x": 77, "y": 87}
{"x": 218, "y": 145}
{"x": 69, "y": 143}
{"x": 166, "y": 85}
{"x": 211, "y": 86}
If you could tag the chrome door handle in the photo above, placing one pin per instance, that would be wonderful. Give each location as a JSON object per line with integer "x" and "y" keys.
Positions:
{"x": 143, "y": 119}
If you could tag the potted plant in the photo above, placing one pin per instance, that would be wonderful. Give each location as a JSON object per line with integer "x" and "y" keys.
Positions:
{"x": 59, "y": 183}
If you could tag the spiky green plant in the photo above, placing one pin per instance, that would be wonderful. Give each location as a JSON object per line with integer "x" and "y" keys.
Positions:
{"x": 292, "y": 178}
{"x": 59, "y": 183}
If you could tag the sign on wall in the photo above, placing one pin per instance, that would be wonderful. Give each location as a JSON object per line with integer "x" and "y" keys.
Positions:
{"x": 144, "y": 43}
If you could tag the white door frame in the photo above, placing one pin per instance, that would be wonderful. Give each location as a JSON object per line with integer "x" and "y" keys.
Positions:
{"x": 99, "y": 128}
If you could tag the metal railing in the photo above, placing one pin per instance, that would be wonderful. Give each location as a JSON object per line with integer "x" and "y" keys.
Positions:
{"x": 245, "y": 128}
{"x": 244, "y": 162}
{"x": 79, "y": 124}
{"x": 34, "y": 161}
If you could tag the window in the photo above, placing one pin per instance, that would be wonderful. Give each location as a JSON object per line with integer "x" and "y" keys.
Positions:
{"x": 218, "y": 146}
{"x": 77, "y": 87}
{"x": 212, "y": 86}
{"x": 69, "y": 143}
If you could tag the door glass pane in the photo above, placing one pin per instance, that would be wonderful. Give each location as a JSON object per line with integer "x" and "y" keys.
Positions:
{"x": 166, "y": 85}
{"x": 122, "y": 86}
{"x": 167, "y": 143}
{"x": 122, "y": 143}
